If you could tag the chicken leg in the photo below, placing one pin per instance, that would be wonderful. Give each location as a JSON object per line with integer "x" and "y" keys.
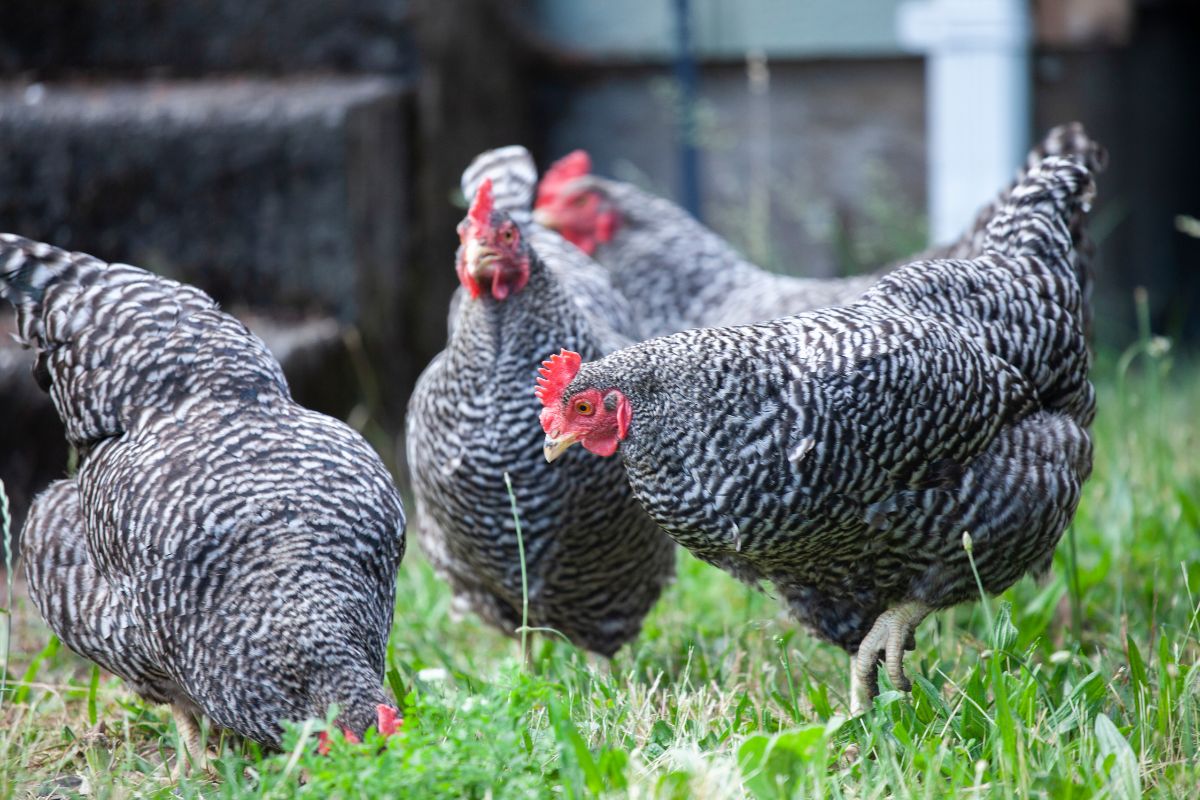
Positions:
{"x": 194, "y": 755}
{"x": 891, "y": 635}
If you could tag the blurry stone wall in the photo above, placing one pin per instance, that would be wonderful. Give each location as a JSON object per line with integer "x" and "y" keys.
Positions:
{"x": 268, "y": 152}
{"x": 246, "y": 187}
{"x": 202, "y": 37}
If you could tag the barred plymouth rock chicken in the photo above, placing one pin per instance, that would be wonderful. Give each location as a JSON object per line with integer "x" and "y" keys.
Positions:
{"x": 841, "y": 454}
{"x": 221, "y": 548}
{"x": 678, "y": 274}
{"x": 596, "y": 562}
{"x": 514, "y": 178}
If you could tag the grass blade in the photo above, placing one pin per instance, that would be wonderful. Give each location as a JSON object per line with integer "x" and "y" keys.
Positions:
{"x": 512, "y": 499}
{"x": 6, "y": 532}
{"x": 93, "y": 685}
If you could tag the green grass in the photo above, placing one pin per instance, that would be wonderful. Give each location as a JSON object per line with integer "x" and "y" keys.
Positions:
{"x": 1084, "y": 686}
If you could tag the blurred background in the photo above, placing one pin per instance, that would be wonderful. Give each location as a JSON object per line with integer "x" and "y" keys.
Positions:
{"x": 299, "y": 159}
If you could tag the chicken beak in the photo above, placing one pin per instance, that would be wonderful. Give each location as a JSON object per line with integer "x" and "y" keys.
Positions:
{"x": 553, "y": 447}
{"x": 478, "y": 256}
{"x": 544, "y": 218}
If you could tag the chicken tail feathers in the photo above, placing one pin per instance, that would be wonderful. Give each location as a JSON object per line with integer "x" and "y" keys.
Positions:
{"x": 28, "y": 270}
{"x": 1069, "y": 141}
{"x": 513, "y": 175}
{"x": 1054, "y": 197}
{"x": 1072, "y": 141}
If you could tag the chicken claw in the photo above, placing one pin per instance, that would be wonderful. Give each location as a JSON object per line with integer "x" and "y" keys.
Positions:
{"x": 891, "y": 635}
{"x": 194, "y": 754}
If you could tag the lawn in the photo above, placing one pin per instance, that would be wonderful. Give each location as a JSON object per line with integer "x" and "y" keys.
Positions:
{"x": 1082, "y": 686}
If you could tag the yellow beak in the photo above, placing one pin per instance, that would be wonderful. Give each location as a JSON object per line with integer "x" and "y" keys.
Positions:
{"x": 552, "y": 448}
{"x": 478, "y": 256}
{"x": 541, "y": 217}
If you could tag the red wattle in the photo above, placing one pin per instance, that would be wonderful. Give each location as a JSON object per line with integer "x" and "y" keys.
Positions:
{"x": 500, "y": 289}
{"x": 585, "y": 243}
{"x": 606, "y": 227}
{"x": 324, "y": 745}
{"x": 389, "y": 720}
{"x": 600, "y": 445}
{"x": 468, "y": 282}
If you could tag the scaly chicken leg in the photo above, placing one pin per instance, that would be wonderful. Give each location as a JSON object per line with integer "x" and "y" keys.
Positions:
{"x": 891, "y": 635}
{"x": 195, "y": 755}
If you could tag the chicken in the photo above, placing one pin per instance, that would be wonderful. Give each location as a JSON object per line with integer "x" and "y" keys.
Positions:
{"x": 678, "y": 274}
{"x": 841, "y": 454}
{"x": 221, "y": 548}
{"x": 595, "y": 561}
{"x": 514, "y": 178}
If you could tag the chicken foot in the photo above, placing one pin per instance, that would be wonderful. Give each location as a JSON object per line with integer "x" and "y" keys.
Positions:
{"x": 194, "y": 753}
{"x": 890, "y": 636}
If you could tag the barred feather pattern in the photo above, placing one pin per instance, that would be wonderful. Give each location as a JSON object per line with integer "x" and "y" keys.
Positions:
{"x": 220, "y": 547}
{"x": 514, "y": 181}
{"x": 1070, "y": 140}
{"x": 596, "y": 562}
{"x": 840, "y": 454}
{"x": 678, "y": 274}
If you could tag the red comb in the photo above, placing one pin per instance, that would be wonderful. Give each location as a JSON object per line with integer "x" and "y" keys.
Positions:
{"x": 573, "y": 165}
{"x": 481, "y": 206}
{"x": 389, "y": 720}
{"x": 556, "y": 374}
{"x": 324, "y": 744}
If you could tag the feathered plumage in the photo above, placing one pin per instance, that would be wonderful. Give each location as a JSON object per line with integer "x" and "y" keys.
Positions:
{"x": 220, "y": 548}
{"x": 596, "y": 562}
{"x": 840, "y": 454}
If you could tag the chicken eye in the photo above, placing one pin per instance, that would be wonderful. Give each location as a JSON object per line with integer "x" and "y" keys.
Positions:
{"x": 508, "y": 235}
{"x": 584, "y": 407}
{"x": 578, "y": 200}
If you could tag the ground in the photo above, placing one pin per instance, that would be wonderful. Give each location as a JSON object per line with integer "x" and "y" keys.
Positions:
{"x": 1085, "y": 685}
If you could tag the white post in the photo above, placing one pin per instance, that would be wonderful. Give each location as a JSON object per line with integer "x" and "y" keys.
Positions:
{"x": 977, "y": 102}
